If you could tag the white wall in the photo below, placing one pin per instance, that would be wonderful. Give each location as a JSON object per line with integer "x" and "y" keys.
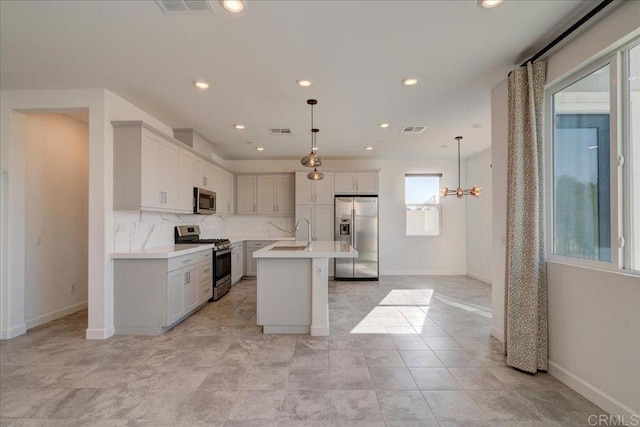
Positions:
{"x": 594, "y": 316}
{"x": 400, "y": 254}
{"x": 57, "y": 201}
{"x": 478, "y": 213}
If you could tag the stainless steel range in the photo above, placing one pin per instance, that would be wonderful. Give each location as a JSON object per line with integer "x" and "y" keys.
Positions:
{"x": 190, "y": 234}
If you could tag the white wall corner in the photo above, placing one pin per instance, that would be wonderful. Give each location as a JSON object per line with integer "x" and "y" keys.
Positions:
{"x": 16, "y": 331}
{"x": 497, "y": 333}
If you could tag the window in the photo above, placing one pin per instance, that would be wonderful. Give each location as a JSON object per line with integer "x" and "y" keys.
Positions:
{"x": 595, "y": 163}
{"x": 422, "y": 200}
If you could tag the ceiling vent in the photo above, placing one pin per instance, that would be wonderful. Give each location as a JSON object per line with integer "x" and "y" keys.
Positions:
{"x": 280, "y": 131}
{"x": 413, "y": 130}
{"x": 185, "y": 6}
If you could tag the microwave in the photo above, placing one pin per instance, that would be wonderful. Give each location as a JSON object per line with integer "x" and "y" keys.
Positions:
{"x": 204, "y": 201}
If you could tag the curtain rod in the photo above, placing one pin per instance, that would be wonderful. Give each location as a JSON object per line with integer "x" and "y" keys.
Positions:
{"x": 570, "y": 30}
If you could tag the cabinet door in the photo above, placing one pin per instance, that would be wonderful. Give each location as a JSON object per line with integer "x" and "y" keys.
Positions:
{"x": 198, "y": 172}
{"x": 324, "y": 189}
{"x": 246, "y": 195}
{"x": 266, "y": 195}
{"x": 185, "y": 181}
{"x": 208, "y": 176}
{"x": 367, "y": 182}
{"x": 190, "y": 282}
{"x": 345, "y": 182}
{"x": 304, "y": 211}
{"x": 151, "y": 193}
{"x": 229, "y": 187}
{"x": 236, "y": 265}
{"x": 304, "y": 189}
{"x": 285, "y": 190}
{"x": 323, "y": 222}
{"x": 215, "y": 183}
{"x": 175, "y": 296}
{"x": 169, "y": 174}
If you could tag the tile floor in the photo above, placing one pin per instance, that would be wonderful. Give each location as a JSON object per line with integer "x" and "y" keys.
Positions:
{"x": 405, "y": 351}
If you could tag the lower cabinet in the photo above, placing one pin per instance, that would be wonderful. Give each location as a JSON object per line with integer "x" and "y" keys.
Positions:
{"x": 251, "y": 264}
{"x": 237, "y": 262}
{"x": 152, "y": 295}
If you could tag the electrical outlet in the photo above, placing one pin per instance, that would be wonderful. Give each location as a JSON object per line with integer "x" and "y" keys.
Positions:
{"x": 37, "y": 239}
{"x": 72, "y": 288}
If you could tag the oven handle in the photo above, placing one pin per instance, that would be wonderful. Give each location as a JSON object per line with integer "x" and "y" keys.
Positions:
{"x": 223, "y": 252}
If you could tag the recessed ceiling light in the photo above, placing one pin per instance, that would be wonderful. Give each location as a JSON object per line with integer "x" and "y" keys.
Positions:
{"x": 201, "y": 84}
{"x": 368, "y": 148}
{"x": 234, "y": 6}
{"x": 409, "y": 81}
{"x": 383, "y": 125}
{"x": 489, "y": 4}
{"x": 239, "y": 127}
{"x": 260, "y": 148}
{"x": 304, "y": 82}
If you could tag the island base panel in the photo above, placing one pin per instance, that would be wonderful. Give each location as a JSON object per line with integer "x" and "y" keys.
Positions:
{"x": 274, "y": 329}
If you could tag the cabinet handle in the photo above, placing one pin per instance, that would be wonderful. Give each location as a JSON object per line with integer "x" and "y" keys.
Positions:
{"x": 228, "y": 206}
{"x": 161, "y": 197}
{"x": 254, "y": 208}
{"x": 277, "y": 208}
{"x": 206, "y": 270}
{"x": 187, "y": 278}
{"x": 184, "y": 261}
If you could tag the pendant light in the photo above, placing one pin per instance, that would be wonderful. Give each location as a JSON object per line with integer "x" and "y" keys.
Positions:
{"x": 459, "y": 192}
{"x": 312, "y": 160}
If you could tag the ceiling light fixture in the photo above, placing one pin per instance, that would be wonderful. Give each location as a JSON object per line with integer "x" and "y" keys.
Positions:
{"x": 304, "y": 82}
{"x": 489, "y": 4}
{"x": 312, "y": 160}
{"x": 234, "y": 6}
{"x": 368, "y": 148}
{"x": 410, "y": 81}
{"x": 383, "y": 125}
{"x": 201, "y": 84}
{"x": 239, "y": 127}
{"x": 459, "y": 192}
{"x": 259, "y": 148}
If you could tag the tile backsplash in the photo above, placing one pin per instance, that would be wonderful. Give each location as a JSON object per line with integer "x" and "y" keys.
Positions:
{"x": 138, "y": 229}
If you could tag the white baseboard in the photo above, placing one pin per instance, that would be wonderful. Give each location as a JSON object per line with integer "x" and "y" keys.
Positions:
{"x": 424, "y": 273}
{"x": 32, "y": 323}
{"x": 7, "y": 334}
{"x": 592, "y": 393}
{"x": 497, "y": 334}
{"x": 480, "y": 277}
{"x": 99, "y": 333}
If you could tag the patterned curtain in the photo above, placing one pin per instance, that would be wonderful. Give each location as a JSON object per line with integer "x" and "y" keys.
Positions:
{"x": 526, "y": 329}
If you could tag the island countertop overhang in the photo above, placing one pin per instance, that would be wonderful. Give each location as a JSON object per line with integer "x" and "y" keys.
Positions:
{"x": 317, "y": 249}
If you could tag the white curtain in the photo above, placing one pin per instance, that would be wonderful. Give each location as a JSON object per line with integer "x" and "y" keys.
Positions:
{"x": 526, "y": 329}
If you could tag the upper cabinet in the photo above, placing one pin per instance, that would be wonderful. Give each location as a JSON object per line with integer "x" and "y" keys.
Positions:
{"x": 146, "y": 170}
{"x": 266, "y": 194}
{"x": 314, "y": 192}
{"x": 224, "y": 187}
{"x": 356, "y": 183}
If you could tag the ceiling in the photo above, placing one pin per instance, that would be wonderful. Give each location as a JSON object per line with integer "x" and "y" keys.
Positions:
{"x": 356, "y": 53}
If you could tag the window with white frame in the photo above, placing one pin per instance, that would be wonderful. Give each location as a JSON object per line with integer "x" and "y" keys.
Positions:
{"x": 595, "y": 163}
{"x": 422, "y": 201}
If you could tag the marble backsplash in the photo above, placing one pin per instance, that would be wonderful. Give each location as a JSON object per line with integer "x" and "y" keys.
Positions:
{"x": 138, "y": 229}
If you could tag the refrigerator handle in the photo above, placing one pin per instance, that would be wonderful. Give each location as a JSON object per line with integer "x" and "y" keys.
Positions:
{"x": 353, "y": 228}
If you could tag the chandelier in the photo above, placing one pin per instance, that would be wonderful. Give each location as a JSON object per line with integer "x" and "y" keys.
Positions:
{"x": 459, "y": 192}
{"x": 312, "y": 160}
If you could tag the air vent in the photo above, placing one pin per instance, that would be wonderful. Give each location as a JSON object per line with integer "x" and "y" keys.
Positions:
{"x": 280, "y": 131}
{"x": 413, "y": 130}
{"x": 185, "y": 6}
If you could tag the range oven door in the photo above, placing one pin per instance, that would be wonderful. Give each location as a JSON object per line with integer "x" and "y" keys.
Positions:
{"x": 221, "y": 273}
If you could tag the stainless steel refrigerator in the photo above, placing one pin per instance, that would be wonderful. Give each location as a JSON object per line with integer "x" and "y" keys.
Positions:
{"x": 356, "y": 222}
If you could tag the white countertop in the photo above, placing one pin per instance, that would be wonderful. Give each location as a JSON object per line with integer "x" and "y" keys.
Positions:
{"x": 318, "y": 249}
{"x": 161, "y": 252}
{"x": 235, "y": 239}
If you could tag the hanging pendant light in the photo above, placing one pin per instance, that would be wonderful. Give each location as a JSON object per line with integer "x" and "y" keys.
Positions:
{"x": 459, "y": 192}
{"x": 315, "y": 175}
{"x": 312, "y": 160}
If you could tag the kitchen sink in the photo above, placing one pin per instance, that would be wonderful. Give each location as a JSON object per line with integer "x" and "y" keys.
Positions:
{"x": 288, "y": 248}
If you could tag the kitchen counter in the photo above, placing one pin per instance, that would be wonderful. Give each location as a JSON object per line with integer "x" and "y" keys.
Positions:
{"x": 235, "y": 239}
{"x": 293, "y": 286}
{"x": 161, "y": 252}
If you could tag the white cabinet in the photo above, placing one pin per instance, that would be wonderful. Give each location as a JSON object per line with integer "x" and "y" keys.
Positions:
{"x": 356, "y": 183}
{"x": 228, "y": 180}
{"x": 251, "y": 264}
{"x": 152, "y": 295}
{"x": 310, "y": 192}
{"x": 322, "y": 220}
{"x": 266, "y": 194}
{"x": 149, "y": 178}
{"x": 186, "y": 164}
{"x": 237, "y": 262}
{"x": 246, "y": 195}
{"x": 223, "y": 185}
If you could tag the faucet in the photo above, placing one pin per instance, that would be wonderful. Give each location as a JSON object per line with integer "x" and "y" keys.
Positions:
{"x": 308, "y": 229}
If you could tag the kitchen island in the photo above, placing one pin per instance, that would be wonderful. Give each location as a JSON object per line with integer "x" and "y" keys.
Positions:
{"x": 293, "y": 286}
